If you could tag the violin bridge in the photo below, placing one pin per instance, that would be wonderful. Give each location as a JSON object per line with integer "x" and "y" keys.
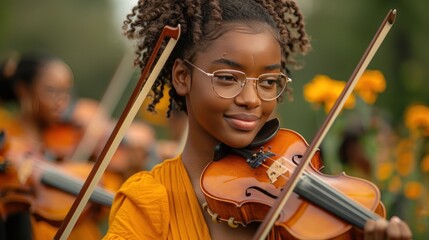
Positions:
{"x": 25, "y": 169}
{"x": 277, "y": 169}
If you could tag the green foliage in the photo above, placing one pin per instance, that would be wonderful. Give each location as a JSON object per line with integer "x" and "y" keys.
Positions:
{"x": 340, "y": 32}
{"x": 80, "y": 32}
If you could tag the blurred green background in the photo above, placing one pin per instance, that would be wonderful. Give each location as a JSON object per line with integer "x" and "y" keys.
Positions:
{"x": 87, "y": 35}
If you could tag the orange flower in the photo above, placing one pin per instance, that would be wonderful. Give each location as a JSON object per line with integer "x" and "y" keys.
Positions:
{"x": 384, "y": 170}
{"x": 404, "y": 145}
{"x": 413, "y": 190}
{"x": 314, "y": 91}
{"x": 405, "y": 163}
{"x": 323, "y": 90}
{"x": 417, "y": 117}
{"x": 395, "y": 184}
{"x": 370, "y": 84}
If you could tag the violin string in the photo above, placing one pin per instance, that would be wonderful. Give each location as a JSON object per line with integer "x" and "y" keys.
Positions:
{"x": 52, "y": 176}
{"x": 346, "y": 204}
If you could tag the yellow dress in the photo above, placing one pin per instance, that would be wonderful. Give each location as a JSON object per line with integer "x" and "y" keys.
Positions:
{"x": 160, "y": 204}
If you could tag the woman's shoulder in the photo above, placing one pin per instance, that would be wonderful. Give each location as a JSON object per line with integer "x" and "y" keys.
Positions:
{"x": 142, "y": 199}
{"x": 142, "y": 184}
{"x": 152, "y": 177}
{"x": 165, "y": 166}
{"x": 146, "y": 187}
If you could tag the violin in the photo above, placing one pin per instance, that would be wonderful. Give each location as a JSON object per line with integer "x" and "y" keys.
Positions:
{"x": 12, "y": 192}
{"x": 241, "y": 185}
{"x": 60, "y": 140}
{"x": 47, "y": 188}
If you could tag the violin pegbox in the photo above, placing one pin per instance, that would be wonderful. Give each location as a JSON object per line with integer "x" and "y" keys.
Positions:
{"x": 253, "y": 158}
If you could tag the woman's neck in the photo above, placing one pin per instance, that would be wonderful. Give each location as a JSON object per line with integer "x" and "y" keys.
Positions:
{"x": 196, "y": 155}
{"x": 31, "y": 129}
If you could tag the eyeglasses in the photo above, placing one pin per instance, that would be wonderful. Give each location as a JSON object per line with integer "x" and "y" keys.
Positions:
{"x": 228, "y": 83}
{"x": 56, "y": 94}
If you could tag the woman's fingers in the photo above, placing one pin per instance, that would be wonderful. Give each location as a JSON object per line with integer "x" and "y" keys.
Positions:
{"x": 398, "y": 230}
{"x": 395, "y": 229}
{"x": 375, "y": 230}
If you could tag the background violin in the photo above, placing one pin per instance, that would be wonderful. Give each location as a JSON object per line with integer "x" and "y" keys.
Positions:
{"x": 241, "y": 191}
{"x": 14, "y": 197}
{"x": 61, "y": 139}
{"x": 47, "y": 189}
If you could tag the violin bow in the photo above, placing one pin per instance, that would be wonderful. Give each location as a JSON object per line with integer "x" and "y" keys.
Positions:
{"x": 108, "y": 102}
{"x": 139, "y": 94}
{"x": 275, "y": 210}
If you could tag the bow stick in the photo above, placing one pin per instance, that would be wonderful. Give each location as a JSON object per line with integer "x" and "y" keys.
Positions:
{"x": 274, "y": 212}
{"x": 139, "y": 94}
{"x": 108, "y": 102}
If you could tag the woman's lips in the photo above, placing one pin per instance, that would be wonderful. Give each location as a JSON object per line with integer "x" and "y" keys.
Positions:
{"x": 243, "y": 122}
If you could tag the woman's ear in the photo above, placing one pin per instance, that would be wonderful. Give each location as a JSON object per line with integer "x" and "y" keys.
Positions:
{"x": 28, "y": 101}
{"x": 181, "y": 77}
{"x": 22, "y": 91}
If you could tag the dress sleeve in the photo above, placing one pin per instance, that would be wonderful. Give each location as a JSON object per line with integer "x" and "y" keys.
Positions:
{"x": 139, "y": 210}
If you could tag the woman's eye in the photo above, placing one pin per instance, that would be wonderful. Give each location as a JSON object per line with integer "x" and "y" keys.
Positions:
{"x": 268, "y": 82}
{"x": 226, "y": 77}
{"x": 50, "y": 90}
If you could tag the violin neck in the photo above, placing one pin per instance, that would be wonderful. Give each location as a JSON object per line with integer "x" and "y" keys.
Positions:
{"x": 332, "y": 200}
{"x": 73, "y": 186}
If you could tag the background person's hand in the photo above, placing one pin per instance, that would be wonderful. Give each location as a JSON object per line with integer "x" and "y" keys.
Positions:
{"x": 393, "y": 229}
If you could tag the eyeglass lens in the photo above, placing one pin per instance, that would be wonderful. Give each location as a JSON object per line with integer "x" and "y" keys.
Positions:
{"x": 229, "y": 83}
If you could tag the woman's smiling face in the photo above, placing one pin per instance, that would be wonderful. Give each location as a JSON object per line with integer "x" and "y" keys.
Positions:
{"x": 234, "y": 121}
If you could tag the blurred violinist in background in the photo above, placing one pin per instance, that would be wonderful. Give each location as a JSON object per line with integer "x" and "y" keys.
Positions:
{"x": 35, "y": 91}
{"x": 88, "y": 114}
{"x": 136, "y": 152}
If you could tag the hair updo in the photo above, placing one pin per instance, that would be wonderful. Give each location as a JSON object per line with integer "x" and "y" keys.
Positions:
{"x": 21, "y": 69}
{"x": 200, "y": 21}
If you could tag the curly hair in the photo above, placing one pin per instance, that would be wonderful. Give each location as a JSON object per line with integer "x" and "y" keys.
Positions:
{"x": 200, "y": 22}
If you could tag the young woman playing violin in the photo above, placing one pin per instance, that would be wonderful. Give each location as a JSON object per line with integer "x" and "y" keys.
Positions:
{"x": 228, "y": 73}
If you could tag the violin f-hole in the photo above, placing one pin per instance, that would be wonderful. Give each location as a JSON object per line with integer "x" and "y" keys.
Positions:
{"x": 263, "y": 191}
{"x": 297, "y": 158}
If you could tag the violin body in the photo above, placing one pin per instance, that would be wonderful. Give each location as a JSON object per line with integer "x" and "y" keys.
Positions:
{"x": 51, "y": 205}
{"x": 61, "y": 139}
{"x": 240, "y": 194}
{"x": 14, "y": 196}
{"x": 23, "y": 182}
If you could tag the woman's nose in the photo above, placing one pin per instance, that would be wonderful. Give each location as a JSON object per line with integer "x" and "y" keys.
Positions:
{"x": 249, "y": 95}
